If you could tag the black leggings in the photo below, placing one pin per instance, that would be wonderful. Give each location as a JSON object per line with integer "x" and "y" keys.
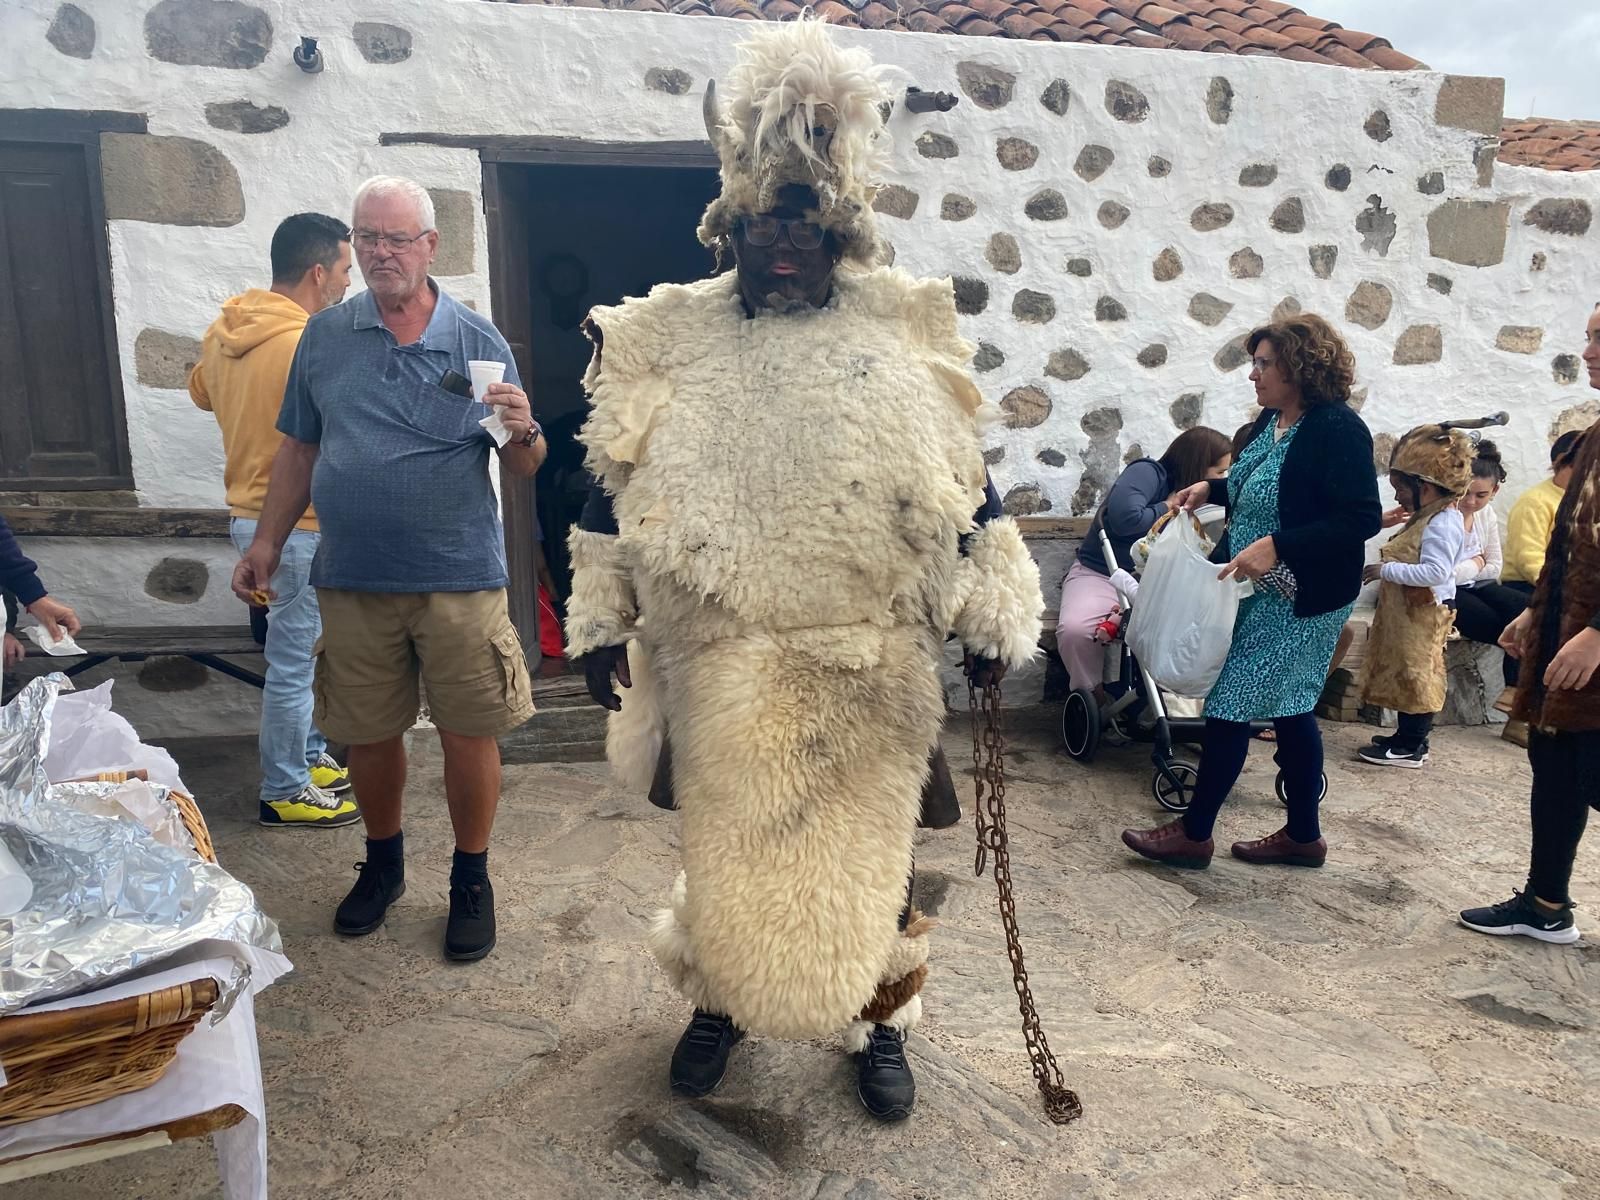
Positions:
{"x": 1484, "y": 611}
{"x": 1566, "y": 785}
{"x": 1227, "y": 745}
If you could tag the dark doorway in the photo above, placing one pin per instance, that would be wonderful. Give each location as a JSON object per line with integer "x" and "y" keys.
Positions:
{"x": 565, "y": 237}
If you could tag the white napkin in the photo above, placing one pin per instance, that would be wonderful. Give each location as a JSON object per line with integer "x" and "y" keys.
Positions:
{"x": 496, "y": 427}
{"x": 65, "y": 646}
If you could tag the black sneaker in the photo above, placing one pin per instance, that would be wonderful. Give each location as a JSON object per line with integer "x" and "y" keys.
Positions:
{"x": 1521, "y": 916}
{"x": 376, "y": 888}
{"x": 700, "y": 1059}
{"x": 883, "y": 1079}
{"x": 1391, "y": 755}
{"x": 469, "y": 933}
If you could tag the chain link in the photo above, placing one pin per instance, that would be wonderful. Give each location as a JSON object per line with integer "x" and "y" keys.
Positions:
{"x": 1061, "y": 1104}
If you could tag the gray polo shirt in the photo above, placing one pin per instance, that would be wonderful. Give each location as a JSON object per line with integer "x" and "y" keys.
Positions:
{"x": 401, "y": 485}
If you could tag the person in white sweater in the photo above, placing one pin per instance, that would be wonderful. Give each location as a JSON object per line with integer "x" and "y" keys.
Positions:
{"x": 1484, "y": 605}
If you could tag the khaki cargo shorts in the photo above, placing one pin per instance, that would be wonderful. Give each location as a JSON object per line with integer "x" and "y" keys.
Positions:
{"x": 377, "y": 646}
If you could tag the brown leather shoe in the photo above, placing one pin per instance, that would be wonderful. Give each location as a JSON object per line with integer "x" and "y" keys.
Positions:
{"x": 1280, "y": 848}
{"x": 1170, "y": 844}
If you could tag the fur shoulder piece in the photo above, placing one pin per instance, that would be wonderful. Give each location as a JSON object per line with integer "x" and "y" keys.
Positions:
{"x": 1002, "y": 604}
{"x": 925, "y": 310}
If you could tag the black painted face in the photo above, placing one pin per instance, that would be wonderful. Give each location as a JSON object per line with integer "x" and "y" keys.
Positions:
{"x": 783, "y": 276}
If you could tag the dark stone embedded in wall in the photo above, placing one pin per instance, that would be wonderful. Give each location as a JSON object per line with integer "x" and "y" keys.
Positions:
{"x": 1087, "y": 498}
{"x": 1575, "y": 419}
{"x": 1153, "y": 355}
{"x": 1126, "y": 102}
{"x": 1564, "y": 368}
{"x": 1057, "y": 97}
{"x": 454, "y": 217}
{"x": 1290, "y": 216}
{"x": 242, "y": 116}
{"x": 1187, "y": 408}
{"x": 1469, "y": 232}
{"x": 988, "y": 358}
{"x": 72, "y": 32}
{"x": 1211, "y": 216}
{"x": 937, "y": 145}
{"x": 1208, "y": 309}
{"x": 1571, "y": 217}
{"x": 1132, "y": 454}
{"x": 1418, "y": 345}
{"x": 1376, "y": 225}
{"x": 1024, "y": 500}
{"x": 1288, "y": 307}
{"x": 1048, "y": 205}
{"x": 1066, "y": 365}
{"x": 1016, "y": 154}
{"x": 1102, "y": 422}
{"x": 1233, "y": 355}
{"x": 1323, "y": 260}
{"x": 1025, "y": 407}
{"x": 987, "y": 87}
{"x": 1358, "y": 397}
{"x": 1108, "y": 308}
{"x": 1158, "y": 167}
{"x": 168, "y": 673}
{"x": 993, "y": 455}
{"x": 1258, "y": 174}
{"x": 1483, "y": 158}
{"x": 168, "y": 181}
{"x": 177, "y": 580}
{"x": 1092, "y": 162}
{"x": 1338, "y": 177}
{"x": 1051, "y": 458}
{"x": 972, "y": 295}
{"x": 1102, "y": 457}
{"x": 1431, "y": 184}
{"x": 1003, "y": 253}
{"x": 1471, "y": 102}
{"x": 1538, "y": 262}
{"x": 1377, "y": 126}
{"x": 1519, "y": 339}
{"x": 1081, "y": 267}
{"x": 1167, "y": 266}
{"x": 1369, "y": 305}
{"x": 956, "y": 208}
{"x": 1440, "y": 283}
{"x": 893, "y": 200}
{"x": 386, "y": 45}
{"x": 1382, "y": 452}
{"x": 208, "y": 33}
{"x": 1033, "y": 308}
{"x": 889, "y": 253}
{"x": 1112, "y": 214}
{"x": 1219, "y": 100}
{"x": 1245, "y": 263}
{"x": 164, "y": 360}
{"x": 671, "y": 80}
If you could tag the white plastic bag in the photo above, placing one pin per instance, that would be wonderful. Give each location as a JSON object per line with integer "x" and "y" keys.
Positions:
{"x": 87, "y": 738}
{"x": 1183, "y": 622}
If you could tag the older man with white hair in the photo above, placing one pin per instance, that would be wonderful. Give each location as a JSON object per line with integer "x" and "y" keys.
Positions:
{"x": 381, "y": 430}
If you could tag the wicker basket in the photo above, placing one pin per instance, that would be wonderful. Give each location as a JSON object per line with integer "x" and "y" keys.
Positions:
{"x": 187, "y": 808}
{"x": 57, "y": 1061}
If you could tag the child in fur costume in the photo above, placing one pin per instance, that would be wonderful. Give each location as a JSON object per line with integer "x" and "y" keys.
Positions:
{"x": 789, "y": 463}
{"x": 1429, "y": 471}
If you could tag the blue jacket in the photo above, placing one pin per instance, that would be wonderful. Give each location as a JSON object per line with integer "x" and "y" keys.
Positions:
{"x": 18, "y": 572}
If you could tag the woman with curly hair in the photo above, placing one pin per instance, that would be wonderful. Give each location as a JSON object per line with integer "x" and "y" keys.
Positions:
{"x": 1302, "y": 501}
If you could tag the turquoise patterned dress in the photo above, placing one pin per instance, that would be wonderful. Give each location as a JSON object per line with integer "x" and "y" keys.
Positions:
{"x": 1278, "y": 662}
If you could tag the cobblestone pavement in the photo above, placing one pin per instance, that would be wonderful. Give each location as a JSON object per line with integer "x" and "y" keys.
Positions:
{"x": 1242, "y": 1032}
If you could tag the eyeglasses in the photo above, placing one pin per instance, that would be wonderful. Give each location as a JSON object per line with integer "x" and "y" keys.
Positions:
{"x": 763, "y": 231}
{"x": 1262, "y": 364}
{"x": 365, "y": 239}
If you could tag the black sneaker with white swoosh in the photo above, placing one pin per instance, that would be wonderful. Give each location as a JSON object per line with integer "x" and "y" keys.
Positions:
{"x": 1521, "y": 917}
{"x": 1390, "y": 755}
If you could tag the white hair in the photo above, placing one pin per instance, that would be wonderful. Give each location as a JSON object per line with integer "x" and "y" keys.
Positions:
{"x": 382, "y": 186}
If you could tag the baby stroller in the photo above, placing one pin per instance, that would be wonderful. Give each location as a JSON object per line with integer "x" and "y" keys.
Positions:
{"x": 1083, "y": 722}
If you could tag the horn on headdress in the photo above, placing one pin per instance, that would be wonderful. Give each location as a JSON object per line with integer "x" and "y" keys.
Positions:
{"x": 711, "y": 112}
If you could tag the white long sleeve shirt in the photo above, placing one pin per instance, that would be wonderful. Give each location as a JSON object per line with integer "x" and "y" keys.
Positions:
{"x": 1483, "y": 538}
{"x": 1441, "y": 550}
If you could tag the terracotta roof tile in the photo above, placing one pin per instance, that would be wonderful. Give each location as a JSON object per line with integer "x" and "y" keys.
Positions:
{"x": 1554, "y": 145}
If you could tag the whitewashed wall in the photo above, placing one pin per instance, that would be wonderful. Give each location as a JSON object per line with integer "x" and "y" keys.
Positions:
{"x": 481, "y": 68}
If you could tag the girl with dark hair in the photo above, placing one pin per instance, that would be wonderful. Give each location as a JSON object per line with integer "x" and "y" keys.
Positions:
{"x": 1145, "y": 491}
{"x": 1484, "y": 605}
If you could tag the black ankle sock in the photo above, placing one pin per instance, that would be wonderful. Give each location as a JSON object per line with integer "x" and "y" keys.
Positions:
{"x": 468, "y": 868}
{"x": 387, "y": 852}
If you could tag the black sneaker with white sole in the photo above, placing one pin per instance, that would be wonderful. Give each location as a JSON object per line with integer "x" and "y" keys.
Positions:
{"x": 1521, "y": 917}
{"x": 1390, "y": 755}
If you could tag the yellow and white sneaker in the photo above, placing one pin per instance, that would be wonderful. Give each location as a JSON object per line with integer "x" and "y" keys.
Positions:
{"x": 328, "y": 775}
{"x": 313, "y": 807}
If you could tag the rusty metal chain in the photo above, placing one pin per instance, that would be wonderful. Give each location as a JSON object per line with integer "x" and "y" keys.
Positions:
{"x": 1061, "y": 1103}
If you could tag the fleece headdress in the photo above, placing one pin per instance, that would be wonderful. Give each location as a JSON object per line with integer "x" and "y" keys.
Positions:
{"x": 1436, "y": 454}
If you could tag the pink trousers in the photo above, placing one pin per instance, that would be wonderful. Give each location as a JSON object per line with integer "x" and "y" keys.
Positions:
{"x": 1086, "y": 597}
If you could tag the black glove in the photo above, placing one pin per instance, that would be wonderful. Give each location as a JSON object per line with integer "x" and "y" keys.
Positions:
{"x": 984, "y": 672}
{"x": 598, "y": 667}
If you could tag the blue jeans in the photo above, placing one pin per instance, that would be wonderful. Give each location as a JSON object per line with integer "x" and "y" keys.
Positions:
{"x": 289, "y": 741}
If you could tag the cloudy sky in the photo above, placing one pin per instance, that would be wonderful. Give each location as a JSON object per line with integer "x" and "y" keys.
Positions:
{"x": 1548, "y": 51}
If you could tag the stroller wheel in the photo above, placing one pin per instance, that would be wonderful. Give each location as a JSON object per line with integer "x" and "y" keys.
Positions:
{"x": 1080, "y": 725}
{"x": 1173, "y": 785}
{"x": 1283, "y": 792}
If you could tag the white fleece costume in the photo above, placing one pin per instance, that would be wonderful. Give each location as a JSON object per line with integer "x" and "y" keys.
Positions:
{"x": 790, "y": 491}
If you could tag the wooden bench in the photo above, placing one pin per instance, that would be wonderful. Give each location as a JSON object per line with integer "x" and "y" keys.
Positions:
{"x": 211, "y": 645}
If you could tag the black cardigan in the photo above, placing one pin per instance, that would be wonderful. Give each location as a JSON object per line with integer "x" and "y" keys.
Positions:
{"x": 1328, "y": 507}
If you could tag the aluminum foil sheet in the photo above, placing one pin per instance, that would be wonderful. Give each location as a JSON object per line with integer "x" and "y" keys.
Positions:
{"x": 108, "y": 897}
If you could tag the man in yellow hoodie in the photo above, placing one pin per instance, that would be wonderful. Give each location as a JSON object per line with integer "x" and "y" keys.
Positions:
{"x": 244, "y": 364}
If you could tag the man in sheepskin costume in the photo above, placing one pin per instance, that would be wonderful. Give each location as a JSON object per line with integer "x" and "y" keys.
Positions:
{"x": 789, "y": 465}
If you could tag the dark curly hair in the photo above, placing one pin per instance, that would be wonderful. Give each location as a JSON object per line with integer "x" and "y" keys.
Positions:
{"x": 1312, "y": 355}
{"x": 1486, "y": 463}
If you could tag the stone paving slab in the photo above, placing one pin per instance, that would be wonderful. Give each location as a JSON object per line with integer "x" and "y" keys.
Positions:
{"x": 1245, "y": 1034}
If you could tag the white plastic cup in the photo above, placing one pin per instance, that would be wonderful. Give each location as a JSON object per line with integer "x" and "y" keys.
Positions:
{"x": 16, "y": 889}
{"x": 483, "y": 374}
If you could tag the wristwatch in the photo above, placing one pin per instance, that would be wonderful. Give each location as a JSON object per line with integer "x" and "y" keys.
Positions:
{"x": 527, "y": 440}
